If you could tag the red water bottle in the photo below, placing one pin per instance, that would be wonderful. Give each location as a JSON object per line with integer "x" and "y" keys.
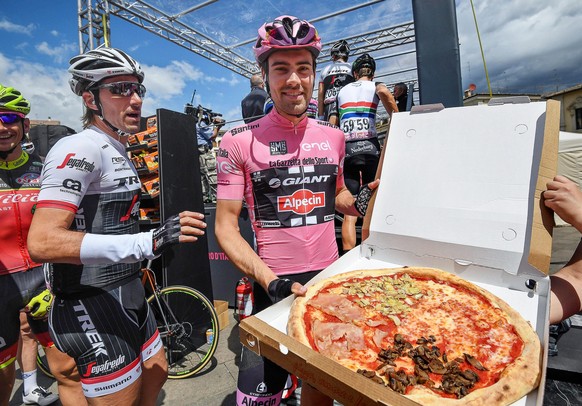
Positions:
{"x": 244, "y": 299}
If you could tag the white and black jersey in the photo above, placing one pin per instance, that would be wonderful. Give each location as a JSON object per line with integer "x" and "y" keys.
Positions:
{"x": 90, "y": 174}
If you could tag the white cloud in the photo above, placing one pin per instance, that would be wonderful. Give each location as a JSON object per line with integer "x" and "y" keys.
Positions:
{"x": 169, "y": 81}
{"x": 527, "y": 45}
{"x": 47, "y": 89}
{"x": 58, "y": 53}
{"x": 16, "y": 28}
{"x": 54, "y": 33}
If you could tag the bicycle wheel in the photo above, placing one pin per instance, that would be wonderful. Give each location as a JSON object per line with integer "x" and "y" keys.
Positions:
{"x": 42, "y": 363}
{"x": 184, "y": 316}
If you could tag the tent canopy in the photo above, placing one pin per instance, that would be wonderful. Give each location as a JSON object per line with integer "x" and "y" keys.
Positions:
{"x": 570, "y": 161}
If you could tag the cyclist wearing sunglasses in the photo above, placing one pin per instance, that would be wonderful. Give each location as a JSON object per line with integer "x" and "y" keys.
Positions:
{"x": 86, "y": 224}
{"x": 21, "y": 278}
{"x": 288, "y": 169}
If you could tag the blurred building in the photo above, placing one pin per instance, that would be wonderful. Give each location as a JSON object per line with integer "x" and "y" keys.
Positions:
{"x": 474, "y": 99}
{"x": 34, "y": 123}
{"x": 570, "y": 109}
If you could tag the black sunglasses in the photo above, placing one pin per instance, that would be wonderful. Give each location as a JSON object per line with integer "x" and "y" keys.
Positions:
{"x": 125, "y": 89}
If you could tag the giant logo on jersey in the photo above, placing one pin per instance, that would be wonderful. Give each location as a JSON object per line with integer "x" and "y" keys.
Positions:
{"x": 302, "y": 201}
{"x": 294, "y": 196}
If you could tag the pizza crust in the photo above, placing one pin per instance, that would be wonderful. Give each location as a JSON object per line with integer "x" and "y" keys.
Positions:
{"x": 516, "y": 380}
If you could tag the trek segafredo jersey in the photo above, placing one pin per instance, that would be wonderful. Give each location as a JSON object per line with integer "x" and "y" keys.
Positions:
{"x": 288, "y": 176}
{"x": 334, "y": 76}
{"x": 90, "y": 174}
{"x": 19, "y": 186}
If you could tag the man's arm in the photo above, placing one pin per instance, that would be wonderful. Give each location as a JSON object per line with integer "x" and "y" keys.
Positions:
{"x": 49, "y": 237}
{"x": 346, "y": 203}
{"x": 566, "y": 295}
{"x": 387, "y": 98}
{"x": 50, "y": 240}
{"x": 565, "y": 198}
{"x": 238, "y": 249}
{"x": 218, "y": 123}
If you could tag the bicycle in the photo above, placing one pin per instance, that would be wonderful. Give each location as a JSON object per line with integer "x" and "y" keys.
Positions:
{"x": 188, "y": 325}
{"x": 187, "y": 322}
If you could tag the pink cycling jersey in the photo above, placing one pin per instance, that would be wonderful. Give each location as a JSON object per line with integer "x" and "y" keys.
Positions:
{"x": 288, "y": 176}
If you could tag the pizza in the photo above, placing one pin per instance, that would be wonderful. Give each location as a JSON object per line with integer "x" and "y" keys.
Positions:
{"x": 422, "y": 332}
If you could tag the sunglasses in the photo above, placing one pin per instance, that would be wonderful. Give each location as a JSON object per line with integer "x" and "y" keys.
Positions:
{"x": 11, "y": 118}
{"x": 125, "y": 89}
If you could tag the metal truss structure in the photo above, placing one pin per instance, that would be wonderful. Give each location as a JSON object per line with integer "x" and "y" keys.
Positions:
{"x": 93, "y": 31}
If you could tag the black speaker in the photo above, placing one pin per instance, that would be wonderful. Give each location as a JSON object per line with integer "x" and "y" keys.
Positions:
{"x": 184, "y": 264}
{"x": 224, "y": 274}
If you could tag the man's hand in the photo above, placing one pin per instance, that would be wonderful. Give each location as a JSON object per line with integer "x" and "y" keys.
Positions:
{"x": 40, "y": 305}
{"x": 564, "y": 197}
{"x": 279, "y": 289}
{"x": 218, "y": 122}
{"x": 183, "y": 227}
{"x": 364, "y": 196}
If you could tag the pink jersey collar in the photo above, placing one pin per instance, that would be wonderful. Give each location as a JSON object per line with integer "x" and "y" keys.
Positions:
{"x": 284, "y": 122}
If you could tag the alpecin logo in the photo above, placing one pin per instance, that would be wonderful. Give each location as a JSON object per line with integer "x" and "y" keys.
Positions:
{"x": 79, "y": 164}
{"x": 302, "y": 201}
{"x": 278, "y": 147}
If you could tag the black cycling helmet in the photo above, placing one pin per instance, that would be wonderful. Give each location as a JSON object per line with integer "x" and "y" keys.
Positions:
{"x": 340, "y": 49}
{"x": 363, "y": 61}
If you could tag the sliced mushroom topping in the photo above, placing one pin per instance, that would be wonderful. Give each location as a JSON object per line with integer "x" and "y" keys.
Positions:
{"x": 377, "y": 379}
{"x": 427, "y": 359}
{"x": 474, "y": 362}
{"x": 470, "y": 375}
{"x": 437, "y": 367}
{"x": 421, "y": 375}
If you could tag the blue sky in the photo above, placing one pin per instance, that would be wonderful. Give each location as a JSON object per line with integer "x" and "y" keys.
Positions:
{"x": 530, "y": 46}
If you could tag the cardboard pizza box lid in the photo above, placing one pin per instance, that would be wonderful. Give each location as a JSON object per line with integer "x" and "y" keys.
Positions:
{"x": 464, "y": 184}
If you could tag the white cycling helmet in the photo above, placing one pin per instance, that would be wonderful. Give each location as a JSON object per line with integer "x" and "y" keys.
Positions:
{"x": 90, "y": 68}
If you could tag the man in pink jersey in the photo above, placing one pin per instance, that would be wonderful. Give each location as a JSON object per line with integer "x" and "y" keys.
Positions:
{"x": 288, "y": 169}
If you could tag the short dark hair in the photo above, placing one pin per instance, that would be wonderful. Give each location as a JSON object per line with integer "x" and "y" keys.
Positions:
{"x": 402, "y": 86}
{"x": 256, "y": 80}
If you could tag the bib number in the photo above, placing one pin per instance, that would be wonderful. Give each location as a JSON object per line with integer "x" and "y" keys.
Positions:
{"x": 355, "y": 125}
{"x": 331, "y": 94}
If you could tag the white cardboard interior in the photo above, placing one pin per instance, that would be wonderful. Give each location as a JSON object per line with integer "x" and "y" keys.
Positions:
{"x": 456, "y": 193}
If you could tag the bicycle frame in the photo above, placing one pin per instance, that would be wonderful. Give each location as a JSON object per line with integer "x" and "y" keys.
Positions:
{"x": 149, "y": 278}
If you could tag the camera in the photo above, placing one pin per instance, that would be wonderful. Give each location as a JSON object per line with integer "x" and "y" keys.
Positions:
{"x": 202, "y": 114}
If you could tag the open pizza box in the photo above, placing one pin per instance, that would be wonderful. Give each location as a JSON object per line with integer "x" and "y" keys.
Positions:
{"x": 460, "y": 191}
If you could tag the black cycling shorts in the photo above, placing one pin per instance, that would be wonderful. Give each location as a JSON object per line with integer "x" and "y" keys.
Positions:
{"x": 261, "y": 381}
{"x": 109, "y": 335}
{"x": 16, "y": 290}
{"x": 359, "y": 170}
